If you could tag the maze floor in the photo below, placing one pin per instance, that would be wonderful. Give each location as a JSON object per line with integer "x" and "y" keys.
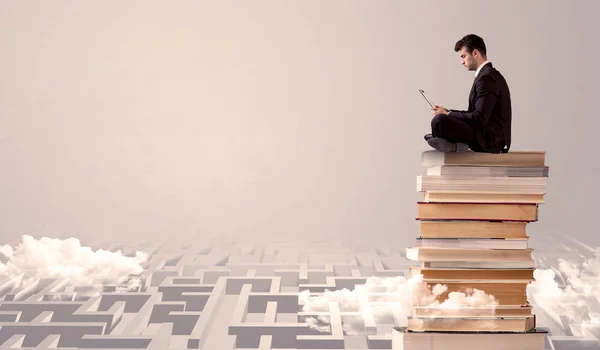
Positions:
{"x": 227, "y": 295}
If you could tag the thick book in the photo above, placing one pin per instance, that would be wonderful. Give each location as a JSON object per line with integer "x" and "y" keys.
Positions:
{"x": 502, "y": 184}
{"x": 470, "y": 311}
{"x": 477, "y": 211}
{"x": 471, "y": 324}
{"x": 466, "y": 196}
{"x": 500, "y": 264}
{"x": 457, "y": 254}
{"x": 472, "y": 229}
{"x": 513, "y": 158}
{"x": 472, "y": 274}
{"x": 470, "y": 243}
{"x": 489, "y": 171}
{"x": 403, "y": 339}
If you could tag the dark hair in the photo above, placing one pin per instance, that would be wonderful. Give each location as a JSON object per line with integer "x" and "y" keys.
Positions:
{"x": 471, "y": 42}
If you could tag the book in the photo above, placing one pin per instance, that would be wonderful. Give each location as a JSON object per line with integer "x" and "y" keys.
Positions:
{"x": 513, "y": 158}
{"x": 493, "y": 171}
{"x": 477, "y": 211}
{"x": 403, "y": 339}
{"x": 472, "y": 229}
{"x": 469, "y": 243}
{"x": 472, "y": 323}
{"x": 450, "y": 254}
{"x": 470, "y": 311}
{"x": 492, "y": 184}
{"x": 465, "y": 196}
{"x": 486, "y": 265}
{"x": 472, "y": 274}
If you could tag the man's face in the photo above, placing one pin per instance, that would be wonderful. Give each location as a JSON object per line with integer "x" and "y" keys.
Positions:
{"x": 467, "y": 59}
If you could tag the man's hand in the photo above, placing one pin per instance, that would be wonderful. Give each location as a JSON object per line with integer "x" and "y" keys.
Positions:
{"x": 439, "y": 110}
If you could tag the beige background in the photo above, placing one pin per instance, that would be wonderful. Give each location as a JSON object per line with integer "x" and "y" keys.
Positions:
{"x": 142, "y": 119}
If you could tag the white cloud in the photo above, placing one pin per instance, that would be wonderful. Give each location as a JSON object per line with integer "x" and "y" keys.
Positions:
{"x": 57, "y": 258}
{"x": 384, "y": 298}
{"x": 582, "y": 284}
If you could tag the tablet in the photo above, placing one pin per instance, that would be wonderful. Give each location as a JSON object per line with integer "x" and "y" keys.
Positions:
{"x": 426, "y": 99}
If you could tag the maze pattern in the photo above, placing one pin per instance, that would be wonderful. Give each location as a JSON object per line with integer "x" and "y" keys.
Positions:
{"x": 225, "y": 296}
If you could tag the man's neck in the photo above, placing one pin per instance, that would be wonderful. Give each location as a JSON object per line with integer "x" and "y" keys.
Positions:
{"x": 481, "y": 66}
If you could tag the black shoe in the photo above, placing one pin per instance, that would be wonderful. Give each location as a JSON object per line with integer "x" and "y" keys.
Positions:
{"x": 428, "y": 136}
{"x": 444, "y": 145}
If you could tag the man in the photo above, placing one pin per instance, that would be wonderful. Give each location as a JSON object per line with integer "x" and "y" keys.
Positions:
{"x": 486, "y": 125}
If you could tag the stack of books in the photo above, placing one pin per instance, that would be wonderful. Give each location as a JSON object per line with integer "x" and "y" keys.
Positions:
{"x": 473, "y": 241}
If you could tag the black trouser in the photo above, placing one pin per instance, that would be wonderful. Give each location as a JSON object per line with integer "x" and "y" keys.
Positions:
{"x": 455, "y": 130}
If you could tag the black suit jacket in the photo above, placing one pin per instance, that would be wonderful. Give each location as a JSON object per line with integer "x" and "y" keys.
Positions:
{"x": 489, "y": 111}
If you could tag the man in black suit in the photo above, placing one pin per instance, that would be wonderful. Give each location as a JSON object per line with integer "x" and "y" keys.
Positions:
{"x": 486, "y": 125}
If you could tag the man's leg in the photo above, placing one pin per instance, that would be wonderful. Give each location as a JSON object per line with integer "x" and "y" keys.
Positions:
{"x": 450, "y": 134}
{"x": 452, "y": 129}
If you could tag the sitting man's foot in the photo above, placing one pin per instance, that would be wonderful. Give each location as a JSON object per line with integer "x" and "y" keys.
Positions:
{"x": 444, "y": 145}
{"x": 428, "y": 136}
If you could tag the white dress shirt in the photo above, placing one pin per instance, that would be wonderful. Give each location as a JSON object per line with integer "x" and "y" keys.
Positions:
{"x": 483, "y": 64}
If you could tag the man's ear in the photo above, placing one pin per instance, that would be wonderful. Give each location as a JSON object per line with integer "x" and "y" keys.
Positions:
{"x": 475, "y": 53}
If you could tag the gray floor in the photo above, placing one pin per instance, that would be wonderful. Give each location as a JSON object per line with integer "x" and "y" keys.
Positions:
{"x": 225, "y": 296}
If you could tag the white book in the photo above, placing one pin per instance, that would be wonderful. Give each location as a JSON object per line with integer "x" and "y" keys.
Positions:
{"x": 472, "y": 243}
{"x": 483, "y": 171}
{"x": 427, "y": 183}
{"x": 402, "y": 339}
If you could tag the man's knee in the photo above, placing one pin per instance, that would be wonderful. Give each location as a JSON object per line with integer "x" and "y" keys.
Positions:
{"x": 440, "y": 119}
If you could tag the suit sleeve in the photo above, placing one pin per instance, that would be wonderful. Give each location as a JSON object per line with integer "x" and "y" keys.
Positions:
{"x": 487, "y": 95}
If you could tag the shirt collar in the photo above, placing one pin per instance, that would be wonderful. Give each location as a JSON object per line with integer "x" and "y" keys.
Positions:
{"x": 483, "y": 64}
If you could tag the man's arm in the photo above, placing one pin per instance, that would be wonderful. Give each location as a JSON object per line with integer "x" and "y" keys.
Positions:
{"x": 487, "y": 95}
